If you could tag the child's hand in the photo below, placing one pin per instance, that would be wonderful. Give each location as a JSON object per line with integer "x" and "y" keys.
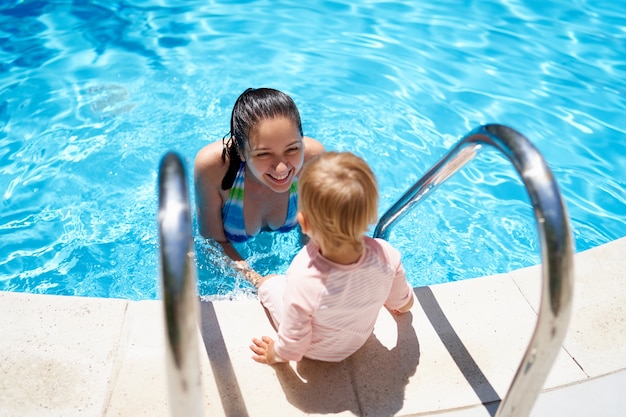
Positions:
{"x": 264, "y": 350}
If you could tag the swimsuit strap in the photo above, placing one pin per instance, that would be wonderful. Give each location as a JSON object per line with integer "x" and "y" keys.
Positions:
{"x": 232, "y": 212}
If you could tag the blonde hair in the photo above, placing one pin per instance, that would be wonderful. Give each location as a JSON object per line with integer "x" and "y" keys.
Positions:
{"x": 338, "y": 194}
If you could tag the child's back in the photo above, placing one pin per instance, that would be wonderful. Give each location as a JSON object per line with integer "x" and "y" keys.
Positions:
{"x": 326, "y": 305}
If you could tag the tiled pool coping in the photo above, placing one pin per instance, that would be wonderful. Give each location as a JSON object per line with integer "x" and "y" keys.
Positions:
{"x": 454, "y": 354}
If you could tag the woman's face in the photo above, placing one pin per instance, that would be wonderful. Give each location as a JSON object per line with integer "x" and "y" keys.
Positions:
{"x": 275, "y": 153}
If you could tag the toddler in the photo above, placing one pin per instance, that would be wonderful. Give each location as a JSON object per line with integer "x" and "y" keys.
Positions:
{"x": 326, "y": 305}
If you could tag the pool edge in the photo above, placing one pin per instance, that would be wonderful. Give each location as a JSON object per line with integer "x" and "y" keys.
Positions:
{"x": 104, "y": 357}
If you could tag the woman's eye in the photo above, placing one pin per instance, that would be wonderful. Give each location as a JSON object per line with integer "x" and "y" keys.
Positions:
{"x": 293, "y": 150}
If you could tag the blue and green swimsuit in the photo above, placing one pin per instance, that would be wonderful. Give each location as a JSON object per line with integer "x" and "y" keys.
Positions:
{"x": 232, "y": 212}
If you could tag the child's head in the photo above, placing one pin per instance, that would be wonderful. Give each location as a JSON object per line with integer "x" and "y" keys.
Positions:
{"x": 338, "y": 198}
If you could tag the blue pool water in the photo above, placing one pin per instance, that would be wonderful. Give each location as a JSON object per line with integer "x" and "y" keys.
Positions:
{"x": 93, "y": 93}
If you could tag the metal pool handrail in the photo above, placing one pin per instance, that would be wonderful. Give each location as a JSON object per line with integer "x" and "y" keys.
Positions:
{"x": 556, "y": 250}
{"x": 179, "y": 284}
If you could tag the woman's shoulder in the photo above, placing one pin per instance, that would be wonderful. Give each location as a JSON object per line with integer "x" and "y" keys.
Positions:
{"x": 208, "y": 162}
{"x": 210, "y": 155}
{"x": 312, "y": 147}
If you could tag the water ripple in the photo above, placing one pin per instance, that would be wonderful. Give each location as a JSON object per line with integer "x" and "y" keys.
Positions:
{"x": 92, "y": 95}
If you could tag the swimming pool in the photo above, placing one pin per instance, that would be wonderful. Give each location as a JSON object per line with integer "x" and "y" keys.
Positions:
{"x": 94, "y": 93}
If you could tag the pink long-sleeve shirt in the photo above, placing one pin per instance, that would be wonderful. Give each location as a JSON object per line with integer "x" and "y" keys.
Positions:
{"x": 326, "y": 311}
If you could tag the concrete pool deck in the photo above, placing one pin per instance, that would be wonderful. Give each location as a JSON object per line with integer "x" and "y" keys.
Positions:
{"x": 454, "y": 354}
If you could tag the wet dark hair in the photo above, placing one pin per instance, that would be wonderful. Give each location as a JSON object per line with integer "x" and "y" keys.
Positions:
{"x": 251, "y": 107}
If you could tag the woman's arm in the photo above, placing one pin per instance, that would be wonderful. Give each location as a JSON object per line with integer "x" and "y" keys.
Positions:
{"x": 209, "y": 170}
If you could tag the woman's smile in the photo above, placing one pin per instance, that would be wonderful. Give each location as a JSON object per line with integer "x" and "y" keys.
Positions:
{"x": 281, "y": 178}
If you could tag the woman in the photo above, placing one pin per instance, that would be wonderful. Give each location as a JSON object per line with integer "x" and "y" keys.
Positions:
{"x": 262, "y": 154}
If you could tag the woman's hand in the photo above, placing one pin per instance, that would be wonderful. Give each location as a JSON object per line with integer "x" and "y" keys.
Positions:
{"x": 248, "y": 272}
{"x": 264, "y": 351}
